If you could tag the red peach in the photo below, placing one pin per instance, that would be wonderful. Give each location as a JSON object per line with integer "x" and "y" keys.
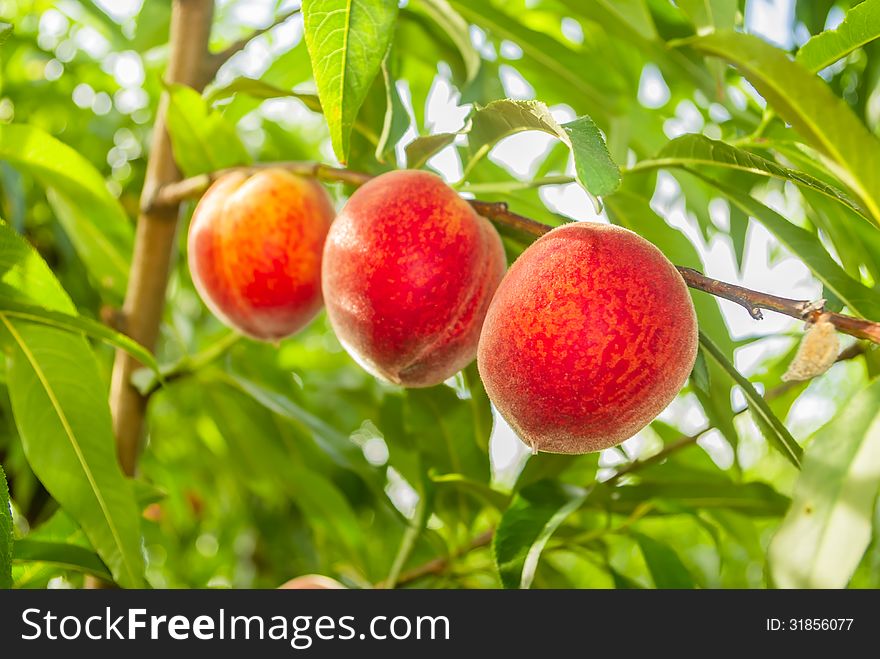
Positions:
{"x": 255, "y": 246}
{"x": 590, "y": 336}
{"x": 311, "y": 582}
{"x": 409, "y": 271}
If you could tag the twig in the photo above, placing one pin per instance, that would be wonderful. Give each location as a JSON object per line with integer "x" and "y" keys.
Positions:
{"x": 214, "y": 61}
{"x": 498, "y": 212}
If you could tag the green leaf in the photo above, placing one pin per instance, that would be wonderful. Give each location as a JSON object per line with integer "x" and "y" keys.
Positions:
{"x": 60, "y": 407}
{"x": 663, "y": 563}
{"x": 828, "y": 527}
{"x": 5, "y": 534}
{"x": 595, "y": 85}
{"x": 697, "y": 151}
{"x": 808, "y": 104}
{"x": 347, "y": 40}
{"x": 396, "y": 120}
{"x": 694, "y": 491}
{"x": 860, "y": 26}
{"x": 92, "y": 218}
{"x": 773, "y": 429}
{"x": 62, "y": 555}
{"x": 5, "y": 31}
{"x": 534, "y": 515}
{"x": 31, "y": 313}
{"x": 421, "y": 149}
{"x": 595, "y": 170}
{"x": 262, "y": 90}
{"x": 806, "y": 245}
{"x": 202, "y": 139}
{"x": 338, "y": 446}
{"x": 457, "y": 29}
{"x": 709, "y": 15}
{"x": 700, "y": 373}
{"x": 482, "y": 491}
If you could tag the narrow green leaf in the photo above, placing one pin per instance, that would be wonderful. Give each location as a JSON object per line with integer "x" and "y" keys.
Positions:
{"x": 599, "y": 87}
{"x": 596, "y": 172}
{"x": 860, "y": 26}
{"x": 63, "y": 555}
{"x": 31, "y": 313}
{"x": 396, "y": 120}
{"x": 202, "y": 139}
{"x": 526, "y": 526}
{"x": 92, "y": 218}
{"x": 457, "y": 29}
{"x": 5, "y": 534}
{"x": 262, "y": 90}
{"x": 697, "y": 151}
{"x": 828, "y": 527}
{"x": 664, "y": 564}
{"x": 700, "y": 373}
{"x": 347, "y": 40}
{"x": 60, "y": 407}
{"x": 774, "y": 431}
{"x": 693, "y": 491}
{"x": 807, "y": 246}
{"x": 709, "y": 15}
{"x": 421, "y": 149}
{"x": 338, "y": 446}
{"x": 483, "y": 491}
{"x": 807, "y": 103}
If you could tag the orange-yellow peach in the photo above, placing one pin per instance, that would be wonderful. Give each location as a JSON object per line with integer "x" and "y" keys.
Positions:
{"x": 409, "y": 271}
{"x": 255, "y": 247}
{"x": 591, "y": 334}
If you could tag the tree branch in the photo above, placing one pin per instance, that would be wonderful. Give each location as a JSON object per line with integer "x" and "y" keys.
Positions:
{"x": 156, "y": 231}
{"x": 498, "y": 212}
{"x": 214, "y": 61}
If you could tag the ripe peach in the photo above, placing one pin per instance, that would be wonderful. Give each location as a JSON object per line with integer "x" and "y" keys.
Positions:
{"x": 590, "y": 335}
{"x": 311, "y": 582}
{"x": 255, "y": 246}
{"x": 409, "y": 271}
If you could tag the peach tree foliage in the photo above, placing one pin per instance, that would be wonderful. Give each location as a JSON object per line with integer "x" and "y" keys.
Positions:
{"x": 263, "y": 462}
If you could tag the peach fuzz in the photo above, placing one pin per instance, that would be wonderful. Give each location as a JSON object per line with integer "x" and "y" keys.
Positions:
{"x": 409, "y": 271}
{"x": 591, "y": 334}
{"x": 254, "y": 248}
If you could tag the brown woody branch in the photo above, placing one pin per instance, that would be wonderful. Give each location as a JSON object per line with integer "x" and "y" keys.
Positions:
{"x": 498, "y": 212}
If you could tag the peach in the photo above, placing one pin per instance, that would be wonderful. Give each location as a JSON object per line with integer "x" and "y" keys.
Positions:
{"x": 409, "y": 271}
{"x": 590, "y": 336}
{"x": 255, "y": 247}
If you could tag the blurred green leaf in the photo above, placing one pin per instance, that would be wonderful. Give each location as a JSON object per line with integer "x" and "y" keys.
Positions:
{"x": 62, "y": 555}
{"x": 860, "y": 26}
{"x": 456, "y": 28}
{"x": 773, "y": 429}
{"x": 91, "y": 216}
{"x": 202, "y": 139}
{"x": 664, "y": 564}
{"x": 709, "y": 15}
{"x": 262, "y": 90}
{"x": 533, "y": 516}
{"x": 5, "y": 31}
{"x": 6, "y": 528}
{"x": 828, "y": 527}
{"x": 697, "y": 151}
{"x": 60, "y": 408}
{"x": 421, "y": 149}
{"x": 31, "y": 313}
{"x": 347, "y": 40}
{"x": 484, "y": 492}
{"x": 806, "y": 102}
